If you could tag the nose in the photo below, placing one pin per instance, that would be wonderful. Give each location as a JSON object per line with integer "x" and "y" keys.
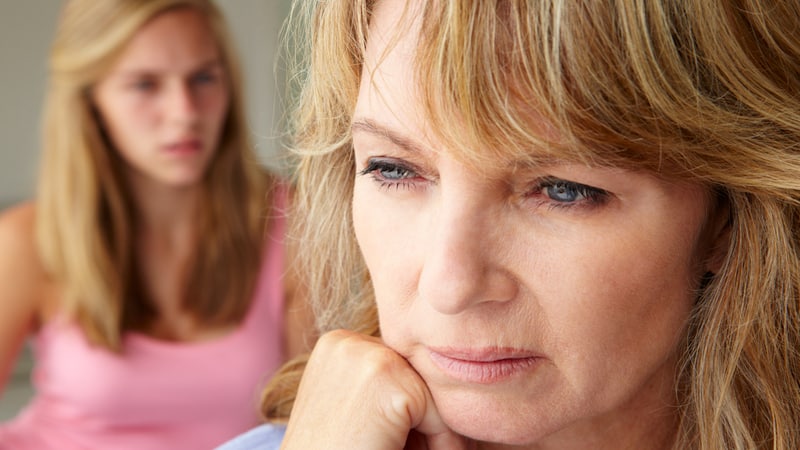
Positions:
{"x": 182, "y": 104}
{"x": 464, "y": 264}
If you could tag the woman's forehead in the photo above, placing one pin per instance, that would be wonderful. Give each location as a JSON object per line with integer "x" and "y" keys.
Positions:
{"x": 503, "y": 124}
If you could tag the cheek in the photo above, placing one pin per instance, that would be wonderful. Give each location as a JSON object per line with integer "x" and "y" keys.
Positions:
{"x": 216, "y": 105}
{"x": 373, "y": 228}
{"x": 388, "y": 241}
{"x": 622, "y": 312}
{"x": 123, "y": 122}
{"x": 379, "y": 227}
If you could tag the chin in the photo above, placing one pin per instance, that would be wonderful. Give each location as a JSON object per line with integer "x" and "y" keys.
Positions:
{"x": 486, "y": 418}
{"x": 185, "y": 180}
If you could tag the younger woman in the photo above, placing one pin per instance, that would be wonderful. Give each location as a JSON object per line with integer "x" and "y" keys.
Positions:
{"x": 149, "y": 271}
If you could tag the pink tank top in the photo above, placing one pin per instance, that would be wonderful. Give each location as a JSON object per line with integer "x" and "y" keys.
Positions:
{"x": 156, "y": 394}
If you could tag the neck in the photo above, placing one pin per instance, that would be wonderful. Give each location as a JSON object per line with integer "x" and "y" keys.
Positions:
{"x": 165, "y": 212}
{"x": 166, "y": 227}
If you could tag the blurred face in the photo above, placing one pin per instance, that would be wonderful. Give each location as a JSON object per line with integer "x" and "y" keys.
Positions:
{"x": 164, "y": 101}
{"x": 538, "y": 304}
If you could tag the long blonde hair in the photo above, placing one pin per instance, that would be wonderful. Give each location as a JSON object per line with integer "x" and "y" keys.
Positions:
{"x": 84, "y": 212}
{"x": 706, "y": 91}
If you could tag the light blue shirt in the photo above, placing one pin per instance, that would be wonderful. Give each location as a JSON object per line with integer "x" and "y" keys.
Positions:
{"x": 264, "y": 437}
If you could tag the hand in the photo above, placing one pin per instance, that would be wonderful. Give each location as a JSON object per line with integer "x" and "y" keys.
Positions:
{"x": 356, "y": 393}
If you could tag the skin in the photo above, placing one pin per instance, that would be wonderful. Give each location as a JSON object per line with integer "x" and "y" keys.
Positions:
{"x": 540, "y": 308}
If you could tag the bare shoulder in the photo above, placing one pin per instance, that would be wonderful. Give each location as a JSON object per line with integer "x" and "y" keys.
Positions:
{"x": 22, "y": 283}
{"x": 20, "y": 214}
{"x": 22, "y": 276}
{"x": 17, "y": 225}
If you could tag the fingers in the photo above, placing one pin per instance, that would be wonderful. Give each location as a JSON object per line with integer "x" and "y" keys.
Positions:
{"x": 356, "y": 393}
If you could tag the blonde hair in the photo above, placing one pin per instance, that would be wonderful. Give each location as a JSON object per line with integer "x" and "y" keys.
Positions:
{"x": 85, "y": 228}
{"x": 699, "y": 90}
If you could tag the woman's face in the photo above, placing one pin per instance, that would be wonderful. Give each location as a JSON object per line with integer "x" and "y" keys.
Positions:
{"x": 164, "y": 101}
{"x": 536, "y": 304}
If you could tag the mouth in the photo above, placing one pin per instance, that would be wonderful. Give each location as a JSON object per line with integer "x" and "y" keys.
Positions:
{"x": 184, "y": 147}
{"x": 484, "y": 366}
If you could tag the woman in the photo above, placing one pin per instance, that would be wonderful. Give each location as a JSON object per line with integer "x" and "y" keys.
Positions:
{"x": 149, "y": 270}
{"x": 573, "y": 225}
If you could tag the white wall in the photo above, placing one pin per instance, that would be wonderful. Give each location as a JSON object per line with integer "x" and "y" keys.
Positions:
{"x": 256, "y": 27}
{"x": 26, "y": 28}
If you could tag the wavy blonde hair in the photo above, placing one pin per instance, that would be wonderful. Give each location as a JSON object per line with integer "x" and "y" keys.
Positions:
{"x": 85, "y": 225}
{"x": 706, "y": 91}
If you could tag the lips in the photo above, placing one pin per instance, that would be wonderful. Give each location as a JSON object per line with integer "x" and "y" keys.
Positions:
{"x": 185, "y": 146}
{"x": 484, "y": 366}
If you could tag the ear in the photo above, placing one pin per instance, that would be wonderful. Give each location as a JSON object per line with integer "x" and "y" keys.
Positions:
{"x": 718, "y": 233}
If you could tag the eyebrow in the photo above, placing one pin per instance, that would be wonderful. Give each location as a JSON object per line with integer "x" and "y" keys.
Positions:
{"x": 212, "y": 64}
{"x": 382, "y": 131}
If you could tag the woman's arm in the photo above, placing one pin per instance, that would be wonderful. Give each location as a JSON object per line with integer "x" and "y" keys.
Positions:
{"x": 21, "y": 283}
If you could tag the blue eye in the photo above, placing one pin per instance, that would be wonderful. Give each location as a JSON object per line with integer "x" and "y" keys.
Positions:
{"x": 143, "y": 85}
{"x": 394, "y": 172}
{"x": 389, "y": 173}
{"x": 563, "y": 193}
{"x": 204, "y": 78}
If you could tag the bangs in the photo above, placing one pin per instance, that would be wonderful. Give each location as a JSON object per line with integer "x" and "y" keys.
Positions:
{"x": 635, "y": 85}
{"x": 622, "y": 84}
{"x": 537, "y": 80}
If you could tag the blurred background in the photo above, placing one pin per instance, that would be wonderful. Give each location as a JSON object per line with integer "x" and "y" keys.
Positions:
{"x": 26, "y": 28}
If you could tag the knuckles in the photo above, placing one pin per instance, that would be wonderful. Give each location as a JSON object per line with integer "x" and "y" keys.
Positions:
{"x": 360, "y": 358}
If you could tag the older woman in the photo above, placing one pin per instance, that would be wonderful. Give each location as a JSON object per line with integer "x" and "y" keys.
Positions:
{"x": 573, "y": 225}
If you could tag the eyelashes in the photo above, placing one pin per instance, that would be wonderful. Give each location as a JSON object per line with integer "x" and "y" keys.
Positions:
{"x": 563, "y": 193}
{"x": 548, "y": 191}
{"x": 390, "y": 173}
